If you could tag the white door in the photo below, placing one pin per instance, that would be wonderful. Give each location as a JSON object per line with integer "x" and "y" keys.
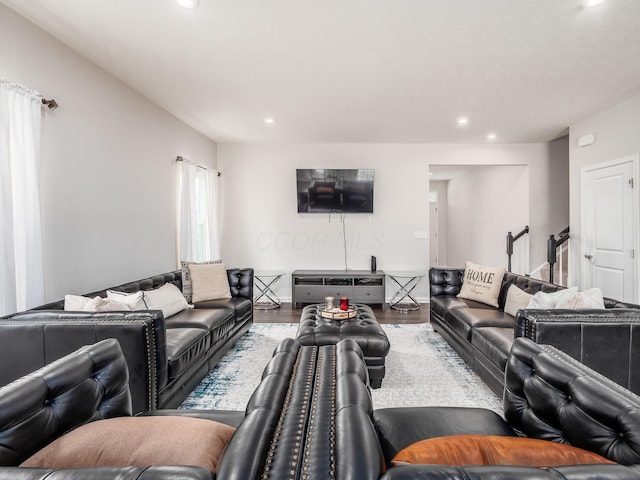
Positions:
{"x": 609, "y": 228}
{"x": 433, "y": 233}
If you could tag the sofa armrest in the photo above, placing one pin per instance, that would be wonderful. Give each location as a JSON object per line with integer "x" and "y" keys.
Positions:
{"x": 605, "y": 340}
{"x": 181, "y": 472}
{"x": 241, "y": 282}
{"x": 32, "y": 339}
{"x": 445, "y": 281}
{"x": 552, "y": 396}
{"x": 89, "y": 384}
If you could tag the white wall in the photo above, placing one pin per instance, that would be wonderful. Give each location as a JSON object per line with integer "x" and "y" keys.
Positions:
{"x": 263, "y": 229}
{"x": 108, "y": 173}
{"x": 616, "y": 136}
{"x": 440, "y": 187}
{"x": 484, "y": 204}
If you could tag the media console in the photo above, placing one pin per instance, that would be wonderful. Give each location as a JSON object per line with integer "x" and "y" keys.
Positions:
{"x": 361, "y": 286}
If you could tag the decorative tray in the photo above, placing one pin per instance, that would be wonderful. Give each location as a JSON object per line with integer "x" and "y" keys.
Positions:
{"x": 337, "y": 314}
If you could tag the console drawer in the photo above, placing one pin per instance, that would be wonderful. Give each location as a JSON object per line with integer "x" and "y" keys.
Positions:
{"x": 308, "y": 293}
{"x": 368, "y": 295}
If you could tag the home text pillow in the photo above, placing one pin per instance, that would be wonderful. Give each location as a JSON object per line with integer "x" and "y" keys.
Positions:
{"x": 546, "y": 301}
{"x": 135, "y": 300}
{"x": 75, "y": 302}
{"x": 137, "y": 441}
{"x": 591, "y": 298}
{"x": 481, "y": 283}
{"x": 209, "y": 282}
{"x": 517, "y": 299}
{"x": 167, "y": 298}
{"x": 186, "y": 276}
{"x": 494, "y": 450}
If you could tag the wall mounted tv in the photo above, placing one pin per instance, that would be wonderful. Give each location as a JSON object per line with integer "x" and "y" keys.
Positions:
{"x": 338, "y": 190}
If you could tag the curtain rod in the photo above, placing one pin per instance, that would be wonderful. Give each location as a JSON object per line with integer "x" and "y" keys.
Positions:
{"x": 180, "y": 159}
{"x": 50, "y": 104}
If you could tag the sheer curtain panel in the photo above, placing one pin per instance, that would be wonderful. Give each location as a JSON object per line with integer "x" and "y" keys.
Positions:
{"x": 198, "y": 222}
{"x": 21, "y": 269}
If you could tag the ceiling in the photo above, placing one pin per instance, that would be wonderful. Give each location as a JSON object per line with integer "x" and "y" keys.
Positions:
{"x": 361, "y": 70}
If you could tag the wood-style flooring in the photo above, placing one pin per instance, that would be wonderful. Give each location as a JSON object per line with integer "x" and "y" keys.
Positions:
{"x": 385, "y": 314}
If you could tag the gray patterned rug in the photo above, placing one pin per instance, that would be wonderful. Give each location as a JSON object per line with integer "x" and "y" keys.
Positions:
{"x": 422, "y": 369}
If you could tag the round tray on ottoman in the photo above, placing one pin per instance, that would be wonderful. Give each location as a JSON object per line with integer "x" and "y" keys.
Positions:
{"x": 337, "y": 314}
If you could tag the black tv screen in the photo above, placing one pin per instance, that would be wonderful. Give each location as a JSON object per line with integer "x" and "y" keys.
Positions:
{"x": 335, "y": 190}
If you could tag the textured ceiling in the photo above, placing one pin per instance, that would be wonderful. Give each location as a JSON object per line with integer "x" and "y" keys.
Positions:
{"x": 361, "y": 71}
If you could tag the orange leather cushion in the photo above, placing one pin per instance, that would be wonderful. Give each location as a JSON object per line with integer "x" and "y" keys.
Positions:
{"x": 137, "y": 441}
{"x": 494, "y": 450}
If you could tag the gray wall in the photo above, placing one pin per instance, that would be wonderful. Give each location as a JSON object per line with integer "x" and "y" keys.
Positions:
{"x": 616, "y": 136}
{"x": 108, "y": 175}
{"x": 263, "y": 229}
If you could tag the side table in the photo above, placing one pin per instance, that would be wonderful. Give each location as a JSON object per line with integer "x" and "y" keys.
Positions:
{"x": 405, "y": 282}
{"x": 266, "y": 298}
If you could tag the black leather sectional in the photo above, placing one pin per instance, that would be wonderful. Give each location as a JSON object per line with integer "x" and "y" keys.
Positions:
{"x": 605, "y": 340}
{"x": 167, "y": 357}
{"x": 312, "y": 417}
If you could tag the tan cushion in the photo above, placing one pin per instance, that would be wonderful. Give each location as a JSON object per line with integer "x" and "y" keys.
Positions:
{"x": 137, "y": 441}
{"x": 209, "y": 282}
{"x": 494, "y": 450}
{"x": 517, "y": 299}
{"x": 186, "y": 276}
{"x": 481, "y": 283}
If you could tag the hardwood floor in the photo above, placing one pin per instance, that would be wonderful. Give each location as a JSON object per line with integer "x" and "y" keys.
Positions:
{"x": 385, "y": 314}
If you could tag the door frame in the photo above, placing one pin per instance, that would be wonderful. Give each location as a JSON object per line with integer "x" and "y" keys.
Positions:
{"x": 635, "y": 214}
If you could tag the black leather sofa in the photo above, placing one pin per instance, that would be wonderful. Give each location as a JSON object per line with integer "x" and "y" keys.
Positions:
{"x": 312, "y": 417}
{"x": 548, "y": 395}
{"x": 87, "y": 385}
{"x": 167, "y": 357}
{"x": 482, "y": 335}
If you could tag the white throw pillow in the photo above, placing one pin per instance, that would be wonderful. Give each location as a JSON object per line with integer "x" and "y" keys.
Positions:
{"x": 100, "y": 304}
{"x": 481, "y": 283}
{"x": 186, "y": 276}
{"x": 135, "y": 300}
{"x": 591, "y": 298}
{"x": 517, "y": 299}
{"x": 79, "y": 303}
{"x": 75, "y": 303}
{"x": 209, "y": 282}
{"x": 546, "y": 301}
{"x": 167, "y": 298}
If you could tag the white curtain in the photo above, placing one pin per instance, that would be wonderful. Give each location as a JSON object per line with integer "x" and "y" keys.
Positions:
{"x": 21, "y": 266}
{"x": 199, "y": 230}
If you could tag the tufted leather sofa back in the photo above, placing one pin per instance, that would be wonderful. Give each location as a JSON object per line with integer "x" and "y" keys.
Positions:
{"x": 89, "y": 384}
{"x": 240, "y": 283}
{"x": 448, "y": 281}
{"x": 551, "y": 396}
{"x": 310, "y": 417}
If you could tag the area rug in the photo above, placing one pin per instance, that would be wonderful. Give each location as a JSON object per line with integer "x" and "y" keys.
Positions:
{"x": 422, "y": 369}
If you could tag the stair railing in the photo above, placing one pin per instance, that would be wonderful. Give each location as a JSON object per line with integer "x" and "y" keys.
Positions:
{"x": 553, "y": 244}
{"x": 511, "y": 239}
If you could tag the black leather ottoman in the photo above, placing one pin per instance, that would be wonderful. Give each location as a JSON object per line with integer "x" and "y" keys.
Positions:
{"x": 364, "y": 329}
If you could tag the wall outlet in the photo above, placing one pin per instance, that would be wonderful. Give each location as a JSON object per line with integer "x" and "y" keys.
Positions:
{"x": 421, "y": 234}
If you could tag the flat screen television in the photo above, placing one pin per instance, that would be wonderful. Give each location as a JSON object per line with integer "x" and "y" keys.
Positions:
{"x": 335, "y": 190}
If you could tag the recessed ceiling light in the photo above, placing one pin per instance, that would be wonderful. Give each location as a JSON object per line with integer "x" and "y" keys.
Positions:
{"x": 462, "y": 121}
{"x": 188, "y": 3}
{"x": 592, "y": 3}
{"x": 269, "y": 120}
{"x": 491, "y": 136}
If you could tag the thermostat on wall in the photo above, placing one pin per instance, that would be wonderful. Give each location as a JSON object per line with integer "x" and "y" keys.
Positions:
{"x": 586, "y": 140}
